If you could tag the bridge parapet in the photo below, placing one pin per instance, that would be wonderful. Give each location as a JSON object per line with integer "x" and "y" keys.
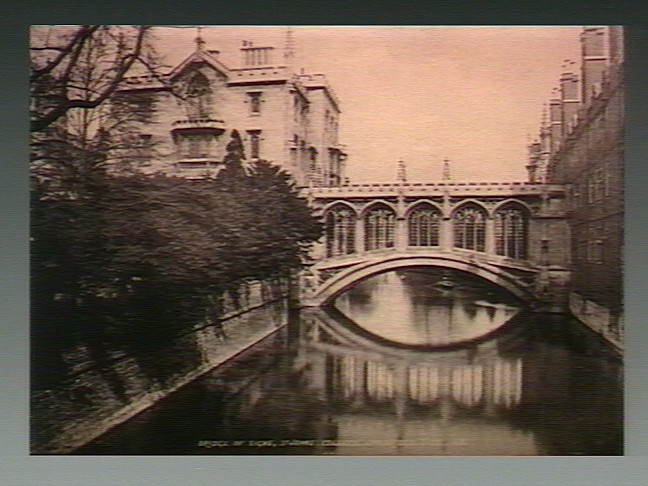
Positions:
{"x": 440, "y": 189}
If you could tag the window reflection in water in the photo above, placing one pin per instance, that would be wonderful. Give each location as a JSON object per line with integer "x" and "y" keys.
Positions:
{"x": 402, "y": 401}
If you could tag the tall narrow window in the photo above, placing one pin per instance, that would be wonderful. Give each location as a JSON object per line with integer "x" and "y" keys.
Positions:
{"x": 254, "y": 100}
{"x": 595, "y": 243}
{"x": 198, "y": 99}
{"x": 470, "y": 228}
{"x": 255, "y": 143}
{"x": 379, "y": 228}
{"x": 312, "y": 156}
{"x": 599, "y": 184}
{"x": 423, "y": 226}
{"x": 607, "y": 181}
{"x": 340, "y": 224}
{"x": 511, "y": 231}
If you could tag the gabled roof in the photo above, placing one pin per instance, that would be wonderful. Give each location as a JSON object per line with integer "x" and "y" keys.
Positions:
{"x": 199, "y": 55}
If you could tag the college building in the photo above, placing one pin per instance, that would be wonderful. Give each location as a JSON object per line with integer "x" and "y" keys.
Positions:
{"x": 581, "y": 146}
{"x": 284, "y": 117}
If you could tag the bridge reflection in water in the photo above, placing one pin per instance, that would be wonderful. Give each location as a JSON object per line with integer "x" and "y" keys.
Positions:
{"x": 427, "y": 307}
{"x": 384, "y": 380}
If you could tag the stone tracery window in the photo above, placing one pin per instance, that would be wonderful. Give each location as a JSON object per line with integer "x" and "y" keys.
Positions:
{"x": 340, "y": 222}
{"x": 423, "y": 226}
{"x": 470, "y": 228}
{"x": 198, "y": 97}
{"x": 511, "y": 231}
{"x": 379, "y": 228}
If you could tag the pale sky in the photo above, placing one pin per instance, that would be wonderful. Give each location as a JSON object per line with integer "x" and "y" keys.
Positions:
{"x": 471, "y": 94}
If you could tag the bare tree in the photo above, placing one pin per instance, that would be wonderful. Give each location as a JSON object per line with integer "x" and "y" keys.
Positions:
{"x": 82, "y": 119}
{"x": 83, "y": 66}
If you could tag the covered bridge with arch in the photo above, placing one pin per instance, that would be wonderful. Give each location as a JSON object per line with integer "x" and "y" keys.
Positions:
{"x": 511, "y": 233}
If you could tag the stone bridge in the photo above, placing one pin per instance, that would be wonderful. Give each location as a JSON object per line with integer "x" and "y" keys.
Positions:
{"x": 512, "y": 234}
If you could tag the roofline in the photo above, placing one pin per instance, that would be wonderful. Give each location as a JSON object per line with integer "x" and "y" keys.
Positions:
{"x": 205, "y": 57}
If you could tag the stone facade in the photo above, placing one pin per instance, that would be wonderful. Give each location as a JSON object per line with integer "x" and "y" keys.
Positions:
{"x": 286, "y": 118}
{"x": 581, "y": 146}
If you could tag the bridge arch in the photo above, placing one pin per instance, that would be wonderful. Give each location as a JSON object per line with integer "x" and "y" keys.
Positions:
{"x": 511, "y": 201}
{"x": 426, "y": 203}
{"x": 348, "y": 277}
{"x": 337, "y": 203}
{"x": 377, "y": 203}
{"x": 468, "y": 202}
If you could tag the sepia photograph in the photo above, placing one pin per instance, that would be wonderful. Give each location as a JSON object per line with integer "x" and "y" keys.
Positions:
{"x": 326, "y": 240}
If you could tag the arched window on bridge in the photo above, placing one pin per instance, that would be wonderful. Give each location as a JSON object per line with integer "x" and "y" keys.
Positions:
{"x": 340, "y": 224}
{"x": 470, "y": 228}
{"x": 379, "y": 228}
{"x": 511, "y": 231}
{"x": 423, "y": 226}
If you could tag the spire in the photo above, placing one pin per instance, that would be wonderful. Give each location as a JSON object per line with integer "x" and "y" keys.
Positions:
{"x": 200, "y": 42}
{"x": 289, "y": 48}
{"x": 401, "y": 174}
{"x": 446, "y": 169}
{"x": 545, "y": 115}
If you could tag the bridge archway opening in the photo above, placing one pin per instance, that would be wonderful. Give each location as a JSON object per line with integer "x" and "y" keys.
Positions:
{"x": 348, "y": 278}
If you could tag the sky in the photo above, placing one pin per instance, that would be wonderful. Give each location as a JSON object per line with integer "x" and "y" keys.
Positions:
{"x": 473, "y": 95}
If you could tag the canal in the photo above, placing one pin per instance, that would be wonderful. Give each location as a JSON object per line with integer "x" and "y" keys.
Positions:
{"x": 411, "y": 362}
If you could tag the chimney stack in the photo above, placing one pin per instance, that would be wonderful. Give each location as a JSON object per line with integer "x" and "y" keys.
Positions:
{"x": 595, "y": 59}
{"x": 555, "y": 122}
{"x": 570, "y": 99}
{"x": 256, "y": 56}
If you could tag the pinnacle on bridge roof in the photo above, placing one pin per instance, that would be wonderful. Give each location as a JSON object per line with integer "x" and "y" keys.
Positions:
{"x": 402, "y": 172}
{"x": 446, "y": 169}
{"x": 289, "y": 47}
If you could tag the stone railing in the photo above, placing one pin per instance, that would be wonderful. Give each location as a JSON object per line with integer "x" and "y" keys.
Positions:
{"x": 436, "y": 189}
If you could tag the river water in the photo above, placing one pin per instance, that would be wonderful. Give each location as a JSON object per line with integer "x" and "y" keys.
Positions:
{"x": 412, "y": 362}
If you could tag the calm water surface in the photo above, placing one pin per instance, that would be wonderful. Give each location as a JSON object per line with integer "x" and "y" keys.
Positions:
{"x": 411, "y": 362}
